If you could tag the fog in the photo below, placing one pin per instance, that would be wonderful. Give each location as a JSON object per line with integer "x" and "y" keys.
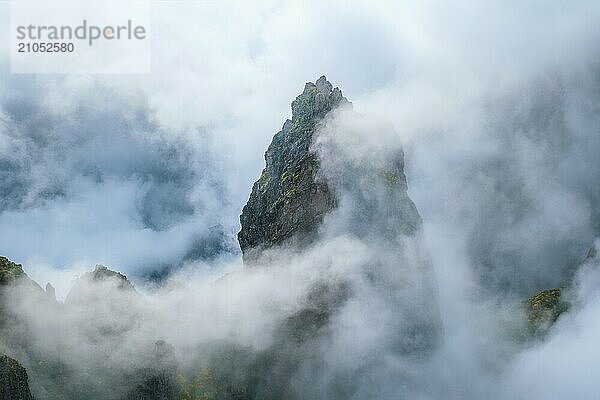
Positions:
{"x": 495, "y": 107}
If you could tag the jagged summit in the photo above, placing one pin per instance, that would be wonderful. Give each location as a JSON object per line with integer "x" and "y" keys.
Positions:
{"x": 83, "y": 289}
{"x": 9, "y": 270}
{"x": 102, "y": 272}
{"x": 287, "y": 201}
{"x": 329, "y": 160}
{"x": 290, "y": 199}
{"x": 317, "y": 99}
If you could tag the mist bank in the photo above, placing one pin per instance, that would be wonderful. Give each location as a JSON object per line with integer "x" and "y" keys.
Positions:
{"x": 371, "y": 279}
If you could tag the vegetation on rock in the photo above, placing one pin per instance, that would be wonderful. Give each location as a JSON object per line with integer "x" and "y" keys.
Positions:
{"x": 13, "y": 380}
{"x": 543, "y": 310}
{"x": 9, "y": 271}
{"x": 288, "y": 201}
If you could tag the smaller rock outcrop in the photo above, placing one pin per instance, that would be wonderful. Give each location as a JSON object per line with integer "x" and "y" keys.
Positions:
{"x": 50, "y": 292}
{"x": 10, "y": 271}
{"x": 591, "y": 254}
{"x": 158, "y": 380}
{"x": 100, "y": 275}
{"x": 13, "y": 380}
{"x": 545, "y": 307}
{"x": 106, "y": 303}
{"x": 543, "y": 310}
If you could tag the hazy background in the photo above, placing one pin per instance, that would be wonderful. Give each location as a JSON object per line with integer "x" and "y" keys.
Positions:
{"x": 496, "y": 104}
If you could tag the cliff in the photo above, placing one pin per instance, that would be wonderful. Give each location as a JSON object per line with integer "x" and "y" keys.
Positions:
{"x": 293, "y": 194}
{"x": 13, "y": 376}
{"x": 287, "y": 201}
{"x": 13, "y": 380}
{"x": 324, "y": 180}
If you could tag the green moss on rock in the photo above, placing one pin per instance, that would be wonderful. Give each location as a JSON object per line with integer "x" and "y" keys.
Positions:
{"x": 543, "y": 310}
{"x": 9, "y": 271}
{"x": 287, "y": 201}
{"x": 13, "y": 380}
{"x": 264, "y": 181}
{"x": 391, "y": 177}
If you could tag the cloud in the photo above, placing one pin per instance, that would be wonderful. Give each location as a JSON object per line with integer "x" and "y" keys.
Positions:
{"x": 494, "y": 102}
{"x": 99, "y": 180}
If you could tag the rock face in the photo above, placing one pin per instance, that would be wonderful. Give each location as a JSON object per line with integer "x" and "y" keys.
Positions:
{"x": 13, "y": 380}
{"x": 13, "y": 376}
{"x": 293, "y": 194}
{"x": 544, "y": 309}
{"x": 287, "y": 201}
{"x": 324, "y": 163}
{"x": 10, "y": 271}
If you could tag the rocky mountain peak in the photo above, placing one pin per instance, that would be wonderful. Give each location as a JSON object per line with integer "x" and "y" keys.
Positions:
{"x": 323, "y": 162}
{"x": 287, "y": 201}
{"x": 102, "y": 273}
{"x": 317, "y": 99}
{"x": 10, "y": 271}
{"x": 92, "y": 286}
{"x": 290, "y": 199}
